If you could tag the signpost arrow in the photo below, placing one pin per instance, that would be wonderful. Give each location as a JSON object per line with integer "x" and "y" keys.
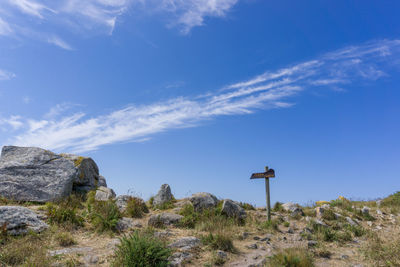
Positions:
{"x": 269, "y": 173}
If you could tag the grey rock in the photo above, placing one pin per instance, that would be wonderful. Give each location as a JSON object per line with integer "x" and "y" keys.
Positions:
{"x": 290, "y": 230}
{"x": 203, "y": 201}
{"x": 164, "y": 195}
{"x": 114, "y": 243}
{"x": 351, "y": 221}
{"x": 379, "y": 212}
{"x": 121, "y": 202}
{"x": 127, "y": 223}
{"x": 63, "y": 251}
{"x": 35, "y": 174}
{"x": 164, "y": 219}
{"x": 179, "y": 258}
{"x": 185, "y": 243}
{"x": 221, "y": 254}
{"x": 252, "y": 246}
{"x": 312, "y": 243}
{"x": 345, "y": 257}
{"x": 20, "y": 220}
{"x": 102, "y": 181}
{"x": 256, "y": 238}
{"x": 91, "y": 259}
{"x": 232, "y": 209}
{"x": 365, "y": 210}
{"x": 104, "y": 194}
{"x": 162, "y": 234}
{"x": 320, "y": 223}
{"x": 245, "y": 235}
{"x": 294, "y": 209}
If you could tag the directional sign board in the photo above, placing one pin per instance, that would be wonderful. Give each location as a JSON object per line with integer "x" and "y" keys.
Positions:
{"x": 268, "y": 174}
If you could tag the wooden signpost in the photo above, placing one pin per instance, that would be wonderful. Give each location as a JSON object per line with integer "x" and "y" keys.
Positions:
{"x": 269, "y": 173}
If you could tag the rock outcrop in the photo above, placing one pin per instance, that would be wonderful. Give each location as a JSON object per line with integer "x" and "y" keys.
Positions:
{"x": 164, "y": 219}
{"x": 294, "y": 209}
{"x": 203, "y": 201}
{"x": 19, "y": 220}
{"x": 104, "y": 194}
{"x": 35, "y": 174}
{"x": 163, "y": 196}
{"x": 232, "y": 209}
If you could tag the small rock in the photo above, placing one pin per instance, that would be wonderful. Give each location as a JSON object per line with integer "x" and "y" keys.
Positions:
{"x": 221, "y": 254}
{"x": 256, "y": 238}
{"x": 294, "y": 209}
{"x": 164, "y": 195}
{"x": 369, "y": 223}
{"x": 351, "y": 221}
{"x": 312, "y": 243}
{"x": 290, "y": 230}
{"x": 102, "y": 181}
{"x": 127, "y": 223}
{"x": 162, "y": 234}
{"x": 178, "y": 258}
{"x": 365, "y": 210}
{"x": 113, "y": 243}
{"x": 104, "y": 194}
{"x": 91, "y": 259}
{"x": 80, "y": 250}
{"x": 202, "y": 201}
{"x": 345, "y": 257}
{"x": 252, "y": 246}
{"x": 185, "y": 243}
{"x": 245, "y": 235}
{"x": 122, "y": 201}
{"x": 379, "y": 212}
{"x": 163, "y": 219}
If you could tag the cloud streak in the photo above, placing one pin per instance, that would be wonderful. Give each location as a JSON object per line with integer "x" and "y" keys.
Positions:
{"x": 77, "y": 132}
{"x": 28, "y": 18}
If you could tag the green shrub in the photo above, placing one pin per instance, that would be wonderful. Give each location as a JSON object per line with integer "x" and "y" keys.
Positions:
{"x": 247, "y": 206}
{"x": 141, "y": 250}
{"x": 190, "y": 217}
{"x": 392, "y": 200}
{"x": 63, "y": 214}
{"x": 328, "y": 215}
{"x": 136, "y": 207}
{"x": 104, "y": 215}
{"x": 271, "y": 225}
{"x": 286, "y": 224}
{"x": 219, "y": 241}
{"x": 355, "y": 229}
{"x": 291, "y": 257}
{"x": 278, "y": 207}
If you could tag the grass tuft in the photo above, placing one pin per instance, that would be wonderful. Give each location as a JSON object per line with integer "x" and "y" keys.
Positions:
{"x": 141, "y": 249}
{"x": 291, "y": 257}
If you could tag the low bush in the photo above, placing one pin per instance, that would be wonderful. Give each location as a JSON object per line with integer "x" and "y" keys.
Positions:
{"x": 136, "y": 207}
{"x": 247, "y": 206}
{"x": 219, "y": 241}
{"x": 104, "y": 215}
{"x": 65, "y": 239}
{"x": 278, "y": 207}
{"x": 271, "y": 225}
{"x": 291, "y": 257}
{"x": 63, "y": 214}
{"x": 140, "y": 249}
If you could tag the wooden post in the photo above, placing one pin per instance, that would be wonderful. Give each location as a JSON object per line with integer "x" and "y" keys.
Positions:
{"x": 269, "y": 173}
{"x": 268, "y": 199}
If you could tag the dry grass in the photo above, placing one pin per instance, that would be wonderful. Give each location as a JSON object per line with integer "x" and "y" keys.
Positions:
{"x": 291, "y": 257}
{"x": 381, "y": 252}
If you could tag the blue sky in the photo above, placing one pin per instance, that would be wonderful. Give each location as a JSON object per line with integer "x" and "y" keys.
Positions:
{"x": 201, "y": 93}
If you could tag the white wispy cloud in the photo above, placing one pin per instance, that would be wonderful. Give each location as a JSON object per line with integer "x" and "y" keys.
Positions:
{"x": 28, "y": 18}
{"x": 77, "y": 132}
{"x": 57, "y": 41}
{"x": 6, "y": 75}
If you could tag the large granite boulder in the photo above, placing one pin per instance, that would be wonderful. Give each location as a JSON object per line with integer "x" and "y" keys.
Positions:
{"x": 232, "y": 209}
{"x": 163, "y": 196}
{"x": 203, "y": 201}
{"x": 19, "y": 220}
{"x": 39, "y": 175}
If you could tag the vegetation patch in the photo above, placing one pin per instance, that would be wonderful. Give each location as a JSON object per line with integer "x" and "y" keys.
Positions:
{"x": 219, "y": 241}
{"x": 246, "y": 206}
{"x": 291, "y": 257}
{"x": 141, "y": 249}
{"x": 104, "y": 215}
{"x": 382, "y": 252}
{"x": 63, "y": 214}
{"x": 136, "y": 207}
{"x": 28, "y": 250}
{"x": 65, "y": 239}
